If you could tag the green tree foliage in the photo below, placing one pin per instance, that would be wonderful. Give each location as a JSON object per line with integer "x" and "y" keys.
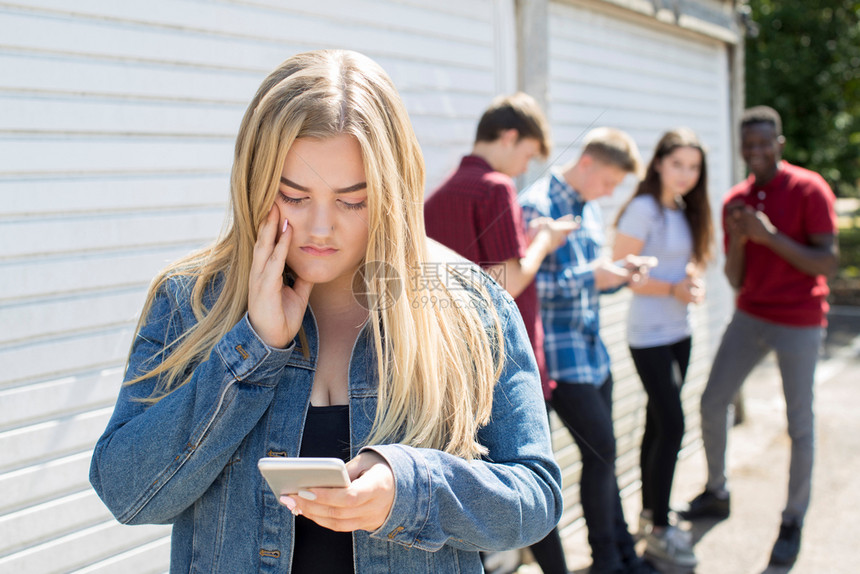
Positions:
{"x": 805, "y": 62}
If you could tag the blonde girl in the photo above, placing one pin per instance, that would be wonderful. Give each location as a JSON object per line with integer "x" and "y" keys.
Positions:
{"x": 308, "y": 329}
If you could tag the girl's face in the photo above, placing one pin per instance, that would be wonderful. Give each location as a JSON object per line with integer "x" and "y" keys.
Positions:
{"x": 679, "y": 171}
{"x": 323, "y": 195}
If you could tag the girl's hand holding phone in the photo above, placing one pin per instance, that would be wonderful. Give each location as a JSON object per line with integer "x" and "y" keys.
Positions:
{"x": 363, "y": 505}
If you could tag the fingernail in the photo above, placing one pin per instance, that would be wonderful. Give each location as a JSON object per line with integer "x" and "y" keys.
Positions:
{"x": 288, "y": 502}
{"x": 307, "y": 495}
{"x": 284, "y": 228}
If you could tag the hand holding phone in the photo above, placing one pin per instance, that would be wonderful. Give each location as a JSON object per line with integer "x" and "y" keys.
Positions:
{"x": 288, "y": 475}
{"x": 363, "y": 504}
{"x": 637, "y": 263}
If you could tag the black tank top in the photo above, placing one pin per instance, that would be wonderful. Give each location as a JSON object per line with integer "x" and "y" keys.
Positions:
{"x": 319, "y": 550}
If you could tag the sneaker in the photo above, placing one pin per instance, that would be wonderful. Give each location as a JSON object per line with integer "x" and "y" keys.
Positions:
{"x": 787, "y": 545}
{"x": 671, "y": 545}
{"x": 707, "y": 505}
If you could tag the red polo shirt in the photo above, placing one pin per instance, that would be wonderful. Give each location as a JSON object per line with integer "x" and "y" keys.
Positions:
{"x": 799, "y": 203}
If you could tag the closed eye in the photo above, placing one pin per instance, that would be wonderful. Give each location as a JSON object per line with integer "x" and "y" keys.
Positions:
{"x": 291, "y": 200}
{"x": 353, "y": 205}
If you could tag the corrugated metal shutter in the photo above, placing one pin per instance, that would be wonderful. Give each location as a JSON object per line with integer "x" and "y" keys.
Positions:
{"x": 117, "y": 122}
{"x": 607, "y": 68}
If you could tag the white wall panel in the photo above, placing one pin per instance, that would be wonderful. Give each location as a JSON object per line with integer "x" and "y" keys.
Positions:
{"x": 44, "y": 481}
{"x": 36, "y": 524}
{"x": 36, "y": 72}
{"x": 59, "y": 356}
{"x": 100, "y": 153}
{"x": 52, "y": 439}
{"x": 37, "y": 319}
{"x": 67, "y": 114}
{"x": 148, "y": 557}
{"x": 49, "y": 276}
{"x": 81, "y": 547}
{"x": 56, "y": 235}
{"x": 41, "y": 195}
{"x": 47, "y": 401}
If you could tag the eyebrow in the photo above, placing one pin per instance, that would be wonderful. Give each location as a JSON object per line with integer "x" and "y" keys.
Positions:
{"x": 350, "y": 189}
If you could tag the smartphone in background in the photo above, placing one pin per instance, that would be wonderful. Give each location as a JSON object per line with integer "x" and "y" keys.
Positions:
{"x": 288, "y": 475}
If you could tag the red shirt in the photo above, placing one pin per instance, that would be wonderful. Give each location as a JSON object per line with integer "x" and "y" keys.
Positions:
{"x": 799, "y": 203}
{"x": 475, "y": 213}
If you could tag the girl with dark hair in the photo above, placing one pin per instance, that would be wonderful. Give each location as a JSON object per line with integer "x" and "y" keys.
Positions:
{"x": 668, "y": 217}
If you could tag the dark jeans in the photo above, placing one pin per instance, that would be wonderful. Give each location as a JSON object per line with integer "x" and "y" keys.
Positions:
{"x": 662, "y": 370}
{"x": 586, "y": 411}
{"x": 549, "y": 552}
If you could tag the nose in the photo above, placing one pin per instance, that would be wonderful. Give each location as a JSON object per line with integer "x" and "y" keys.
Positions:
{"x": 756, "y": 147}
{"x": 322, "y": 220}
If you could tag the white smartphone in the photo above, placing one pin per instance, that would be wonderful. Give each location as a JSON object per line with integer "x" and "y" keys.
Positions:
{"x": 288, "y": 475}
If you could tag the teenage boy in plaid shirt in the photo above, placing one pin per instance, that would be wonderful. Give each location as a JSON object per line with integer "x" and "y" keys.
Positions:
{"x": 568, "y": 284}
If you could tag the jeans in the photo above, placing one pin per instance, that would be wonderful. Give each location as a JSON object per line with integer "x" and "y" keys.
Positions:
{"x": 745, "y": 343}
{"x": 586, "y": 411}
{"x": 662, "y": 370}
{"x": 549, "y": 553}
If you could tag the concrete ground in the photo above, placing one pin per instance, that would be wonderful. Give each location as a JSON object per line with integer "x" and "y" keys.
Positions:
{"x": 758, "y": 474}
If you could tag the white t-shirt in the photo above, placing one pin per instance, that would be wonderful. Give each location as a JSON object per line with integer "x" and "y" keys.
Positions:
{"x": 658, "y": 320}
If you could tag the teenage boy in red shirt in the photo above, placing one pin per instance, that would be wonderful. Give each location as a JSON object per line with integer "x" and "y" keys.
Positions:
{"x": 780, "y": 248}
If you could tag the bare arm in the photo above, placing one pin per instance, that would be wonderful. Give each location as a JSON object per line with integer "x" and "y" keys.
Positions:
{"x": 819, "y": 258}
{"x": 735, "y": 267}
{"x": 736, "y": 258}
{"x": 626, "y": 245}
{"x": 689, "y": 290}
{"x": 519, "y": 273}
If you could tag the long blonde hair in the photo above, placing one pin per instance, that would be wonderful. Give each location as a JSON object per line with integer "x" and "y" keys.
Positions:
{"x": 438, "y": 363}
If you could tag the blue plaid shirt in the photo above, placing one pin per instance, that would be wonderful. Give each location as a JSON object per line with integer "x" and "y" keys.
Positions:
{"x": 565, "y": 284}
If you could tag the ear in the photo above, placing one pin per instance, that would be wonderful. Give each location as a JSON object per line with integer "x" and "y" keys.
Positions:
{"x": 509, "y": 137}
{"x": 585, "y": 162}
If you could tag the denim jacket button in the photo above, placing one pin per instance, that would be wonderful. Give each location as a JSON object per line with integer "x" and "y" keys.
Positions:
{"x": 395, "y": 532}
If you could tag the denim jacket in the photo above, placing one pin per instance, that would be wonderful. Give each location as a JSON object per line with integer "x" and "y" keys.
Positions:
{"x": 191, "y": 458}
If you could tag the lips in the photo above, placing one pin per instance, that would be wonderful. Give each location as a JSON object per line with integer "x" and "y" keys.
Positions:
{"x": 318, "y": 251}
